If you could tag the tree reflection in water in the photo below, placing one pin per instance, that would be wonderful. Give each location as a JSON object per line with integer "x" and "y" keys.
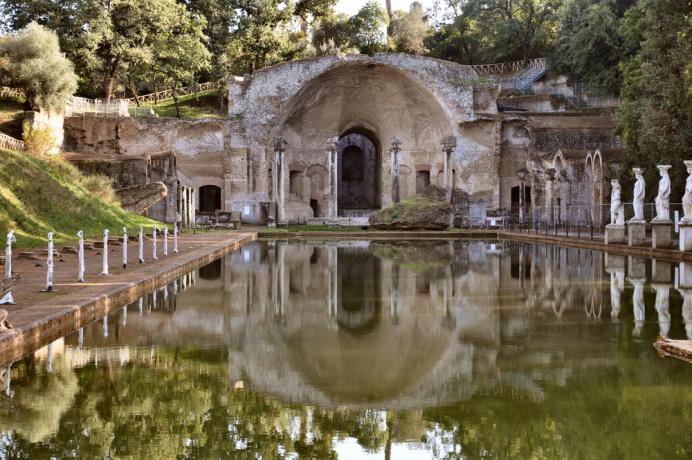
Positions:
{"x": 431, "y": 349}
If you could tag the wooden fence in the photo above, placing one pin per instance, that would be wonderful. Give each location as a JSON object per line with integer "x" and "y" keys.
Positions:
{"x": 510, "y": 67}
{"x": 10, "y": 143}
{"x": 159, "y": 96}
{"x": 6, "y": 92}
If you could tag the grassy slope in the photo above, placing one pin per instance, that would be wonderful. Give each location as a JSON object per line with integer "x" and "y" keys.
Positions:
{"x": 38, "y": 195}
{"x": 202, "y": 105}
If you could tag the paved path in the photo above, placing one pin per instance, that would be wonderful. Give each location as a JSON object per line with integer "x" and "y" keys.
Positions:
{"x": 40, "y": 317}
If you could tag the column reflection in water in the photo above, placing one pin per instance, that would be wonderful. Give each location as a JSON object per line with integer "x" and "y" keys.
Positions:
{"x": 615, "y": 267}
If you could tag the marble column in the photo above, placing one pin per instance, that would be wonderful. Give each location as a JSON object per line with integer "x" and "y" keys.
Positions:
{"x": 394, "y": 151}
{"x": 280, "y": 174}
{"x": 448, "y": 146}
{"x": 550, "y": 195}
{"x": 333, "y": 159}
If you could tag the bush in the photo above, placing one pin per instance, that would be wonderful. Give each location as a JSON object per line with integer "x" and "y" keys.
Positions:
{"x": 102, "y": 187}
{"x": 38, "y": 141}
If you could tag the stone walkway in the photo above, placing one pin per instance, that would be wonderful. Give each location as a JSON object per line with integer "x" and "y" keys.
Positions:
{"x": 39, "y": 317}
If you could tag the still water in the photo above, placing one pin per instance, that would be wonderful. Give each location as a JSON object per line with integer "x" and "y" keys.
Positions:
{"x": 429, "y": 349}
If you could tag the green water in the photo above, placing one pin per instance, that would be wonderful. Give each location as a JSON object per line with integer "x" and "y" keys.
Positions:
{"x": 371, "y": 350}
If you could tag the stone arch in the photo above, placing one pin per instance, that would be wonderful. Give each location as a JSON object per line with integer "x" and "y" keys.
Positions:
{"x": 562, "y": 187}
{"x": 210, "y": 198}
{"x": 597, "y": 188}
{"x": 587, "y": 186}
{"x": 373, "y": 99}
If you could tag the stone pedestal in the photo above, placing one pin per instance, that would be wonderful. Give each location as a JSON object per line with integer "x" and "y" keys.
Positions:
{"x": 636, "y": 232}
{"x": 614, "y": 263}
{"x": 661, "y": 272}
{"x": 661, "y": 234}
{"x": 637, "y": 268}
{"x": 615, "y": 234}
{"x": 686, "y": 236}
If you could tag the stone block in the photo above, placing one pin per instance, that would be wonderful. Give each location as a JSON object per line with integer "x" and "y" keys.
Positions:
{"x": 661, "y": 272}
{"x": 661, "y": 234}
{"x": 615, "y": 234}
{"x": 637, "y": 268}
{"x": 685, "y": 275}
{"x": 614, "y": 263}
{"x": 636, "y": 232}
{"x": 686, "y": 236}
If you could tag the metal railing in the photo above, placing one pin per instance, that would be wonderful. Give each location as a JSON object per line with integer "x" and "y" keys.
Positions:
{"x": 579, "y": 221}
{"x": 80, "y": 106}
{"x": 510, "y": 67}
{"x": 159, "y": 96}
{"x": 7, "y": 92}
{"x": 10, "y": 143}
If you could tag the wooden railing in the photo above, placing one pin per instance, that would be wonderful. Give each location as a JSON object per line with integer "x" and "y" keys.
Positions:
{"x": 10, "y": 143}
{"x": 159, "y": 96}
{"x": 6, "y": 92}
{"x": 510, "y": 67}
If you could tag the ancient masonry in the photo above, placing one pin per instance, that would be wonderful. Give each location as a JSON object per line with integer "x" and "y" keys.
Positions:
{"x": 289, "y": 113}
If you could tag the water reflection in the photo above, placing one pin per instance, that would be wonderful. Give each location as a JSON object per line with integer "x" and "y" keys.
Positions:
{"x": 320, "y": 349}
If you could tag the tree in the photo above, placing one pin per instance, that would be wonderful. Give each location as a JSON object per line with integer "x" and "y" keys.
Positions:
{"x": 655, "y": 115}
{"x": 410, "y": 30}
{"x": 33, "y": 61}
{"x": 588, "y": 45}
{"x": 367, "y": 28}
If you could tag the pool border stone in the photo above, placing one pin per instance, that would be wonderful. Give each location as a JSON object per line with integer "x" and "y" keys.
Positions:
{"x": 63, "y": 315}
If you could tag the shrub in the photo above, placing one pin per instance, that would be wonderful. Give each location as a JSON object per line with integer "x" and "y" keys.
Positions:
{"x": 102, "y": 187}
{"x": 38, "y": 141}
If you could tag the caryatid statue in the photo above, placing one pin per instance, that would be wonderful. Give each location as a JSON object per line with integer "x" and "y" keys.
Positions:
{"x": 617, "y": 208}
{"x": 687, "y": 197}
{"x": 638, "y": 195}
{"x": 663, "y": 197}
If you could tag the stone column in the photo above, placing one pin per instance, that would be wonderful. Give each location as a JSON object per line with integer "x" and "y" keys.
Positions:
{"x": 448, "y": 146}
{"x": 280, "y": 179}
{"x": 227, "y": 190}
{"x": 550, "y": 195}
{"x": 394, "y": 151}
{"x": 333, "y": 151}
{"x": 615, "y": 267}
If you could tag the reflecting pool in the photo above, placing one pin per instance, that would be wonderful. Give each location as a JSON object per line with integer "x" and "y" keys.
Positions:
{"x": 357, "y": 349}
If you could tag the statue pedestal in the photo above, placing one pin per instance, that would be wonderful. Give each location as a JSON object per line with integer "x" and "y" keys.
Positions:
{"x": 661, "y": 234}
{"x": 614, "y": 234}
{"x": 636, "y": 232}
{"x": 686, "y": 236}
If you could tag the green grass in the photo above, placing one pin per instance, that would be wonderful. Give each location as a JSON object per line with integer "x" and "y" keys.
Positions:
{"x": 11, "y": 117}
{"x": 40, "y": 195}
{"x": 201, "y": 105}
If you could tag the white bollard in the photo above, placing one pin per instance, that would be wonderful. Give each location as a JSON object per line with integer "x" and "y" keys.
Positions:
{"x": 155, "y": 257}
{"x": 49, "y": 264}
{"x": 165, "y": 240}
{"x": 8, "y": 299}
{"x": 175, "y": 238}
{"x": 141, "y": 245}
{"x": 80, "y": 275}
{"x": 124, "y": 247}
{"x": 104, "y": 271}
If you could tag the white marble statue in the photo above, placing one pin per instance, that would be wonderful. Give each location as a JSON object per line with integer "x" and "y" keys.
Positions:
{"x": 617, "y": 285}
{"x": 687, "y": 311}
{"x": 687, "y": 197}
{"x": 638, "y": 306}
{"x": 8, "y": 298}
{"x": 124, "y": 247}
{"x": 663, "y": 197}
{"x": 141, "y": 245}
{"x": 104, "y": 269}
{"x": 155, "y": 257}
{"x": 662, "y": 308}
{"x": 165, "y": 240}
{"x": 617, "y": 208}
{"x": 80, "y": 274}
{"x": 638, "y": 195}
{"x": 49, "y": 263}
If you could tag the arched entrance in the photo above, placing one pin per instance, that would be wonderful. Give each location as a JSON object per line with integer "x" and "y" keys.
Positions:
{"x": 358, "y": 172}
{"x": 209, "y": 198}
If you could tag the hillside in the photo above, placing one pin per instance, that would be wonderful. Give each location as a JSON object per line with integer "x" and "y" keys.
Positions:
{"x": 38, "y": 195}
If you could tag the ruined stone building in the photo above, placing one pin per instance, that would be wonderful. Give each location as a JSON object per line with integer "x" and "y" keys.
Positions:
{"x": 275, "y": 144}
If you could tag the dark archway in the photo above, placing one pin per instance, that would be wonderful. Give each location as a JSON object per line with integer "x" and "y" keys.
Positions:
{"x": 209, "y": 198}
{"x": 358, "y": 171}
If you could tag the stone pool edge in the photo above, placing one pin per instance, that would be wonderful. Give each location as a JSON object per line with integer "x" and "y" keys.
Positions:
{"x": 66, "y": 315}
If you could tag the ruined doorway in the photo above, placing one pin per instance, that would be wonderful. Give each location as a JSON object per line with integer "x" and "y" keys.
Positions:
{"x": 209, "y": 198}
{"x": 358, "y": 173}
{"x": 422, "y": 181}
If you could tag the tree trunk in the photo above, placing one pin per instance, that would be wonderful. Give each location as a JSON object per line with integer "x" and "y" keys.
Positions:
{"x": 389, "y": 15}
{"x": 175, "y": 100}
{"x": 108, "y": 86}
